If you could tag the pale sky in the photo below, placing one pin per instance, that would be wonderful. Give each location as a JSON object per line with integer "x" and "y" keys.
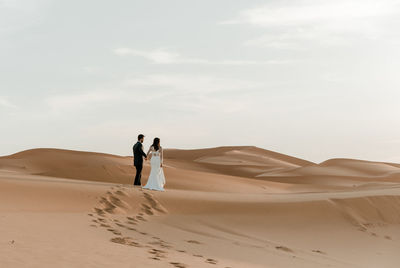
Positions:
{"x": 312, "y": 79}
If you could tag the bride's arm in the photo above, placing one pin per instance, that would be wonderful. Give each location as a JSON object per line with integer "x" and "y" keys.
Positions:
{"x": 161, "y": 156}
{"x": 149, "y": 151}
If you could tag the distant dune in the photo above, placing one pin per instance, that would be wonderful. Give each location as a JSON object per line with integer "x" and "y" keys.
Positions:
{"x": 223, "y": 207}
{"x": 71, "y": 164}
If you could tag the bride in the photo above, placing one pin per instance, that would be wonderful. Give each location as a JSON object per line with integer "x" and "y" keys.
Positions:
{"x": 156, "y": 179}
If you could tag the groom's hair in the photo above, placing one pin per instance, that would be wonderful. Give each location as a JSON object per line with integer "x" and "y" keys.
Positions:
{"x": 141, "y": 136}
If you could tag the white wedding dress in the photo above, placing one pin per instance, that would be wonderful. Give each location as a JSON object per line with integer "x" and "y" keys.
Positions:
{"x": 156, "y": 179}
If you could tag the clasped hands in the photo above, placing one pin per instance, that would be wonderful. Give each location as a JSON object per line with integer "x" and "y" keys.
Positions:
{"x": 147, "y": 159}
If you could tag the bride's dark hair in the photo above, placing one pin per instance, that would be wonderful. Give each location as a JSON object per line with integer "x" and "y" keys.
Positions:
{"x": 156, "y": 144}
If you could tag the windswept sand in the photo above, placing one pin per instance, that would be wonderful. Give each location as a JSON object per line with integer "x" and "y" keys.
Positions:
{"x": 224, "y": 207}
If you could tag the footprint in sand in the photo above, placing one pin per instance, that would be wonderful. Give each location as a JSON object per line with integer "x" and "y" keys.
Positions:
{"x": 318, "y": 251}
{"x": 193, "y": 242}
{"x": 161, "y": 243}
{"x": 121, "y": 193}
{"x": 154, "y": 204}
{"x": 148, "y": 212}
{"x": 147, "y": 209}
{"x": 125, "y": 241}
{"x": 159, "y": 254}
{"x": 112, "y": 203}
{"x": 362, "y": 229}
{"x": 140, "y": 218}
{"x": 108, "y": 206}
{"x": 132, "y": 220}
{"x": 388, "y": 237}
{"x": 99, "y": 211}
{"x": 178, "y": 264}
{"x": 116, "y": 232}
{"x": 146, "y": 206}
{"x": 118, "y": 202}
{"x": 283, "y": 248}
{"x": 211, "y": 261}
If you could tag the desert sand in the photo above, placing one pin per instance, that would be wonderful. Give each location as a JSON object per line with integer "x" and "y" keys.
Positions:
{"x": 223, "y": 207}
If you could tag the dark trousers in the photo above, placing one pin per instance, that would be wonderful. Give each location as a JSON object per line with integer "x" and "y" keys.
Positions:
{"x": 138, "y": 176}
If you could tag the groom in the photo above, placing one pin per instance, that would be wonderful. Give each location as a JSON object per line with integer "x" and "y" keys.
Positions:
{"x": 138, "y": 155}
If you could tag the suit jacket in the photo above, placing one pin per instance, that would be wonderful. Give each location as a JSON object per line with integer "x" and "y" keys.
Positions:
{"x": 138, "y": 154}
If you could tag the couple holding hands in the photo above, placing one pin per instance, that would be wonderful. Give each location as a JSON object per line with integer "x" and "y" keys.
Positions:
{"x": 156, "y": 179}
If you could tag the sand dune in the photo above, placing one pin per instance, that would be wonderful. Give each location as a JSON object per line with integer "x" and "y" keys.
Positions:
{"x": 236, "y": 161}
{"x": 70, "y": 164}
{"x": 224, "y": 207}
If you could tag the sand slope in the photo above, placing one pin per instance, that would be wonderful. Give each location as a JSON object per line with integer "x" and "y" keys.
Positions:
{"x": 70, "y": 164}
{"x": 224, "y": 207}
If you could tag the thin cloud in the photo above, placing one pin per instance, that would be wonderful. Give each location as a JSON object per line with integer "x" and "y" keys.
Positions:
{"x": 5, "y": 103}
{"x": 307, "y": 13}
{"x": 81, "y": 100}
{"x": 184, "y": 83}
{"x": 20, "y": 14}
{"x": 158, "y": 56}
{"x": 197, "y": 93}
{"x": 95, "y": 99}
{"x": 162, "y": 56}
{"x": 183, "y": 92}
{"x": 328, "y": 23}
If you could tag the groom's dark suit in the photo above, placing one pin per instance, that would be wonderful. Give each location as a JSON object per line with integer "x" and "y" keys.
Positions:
{"x": 138, "y": 155}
